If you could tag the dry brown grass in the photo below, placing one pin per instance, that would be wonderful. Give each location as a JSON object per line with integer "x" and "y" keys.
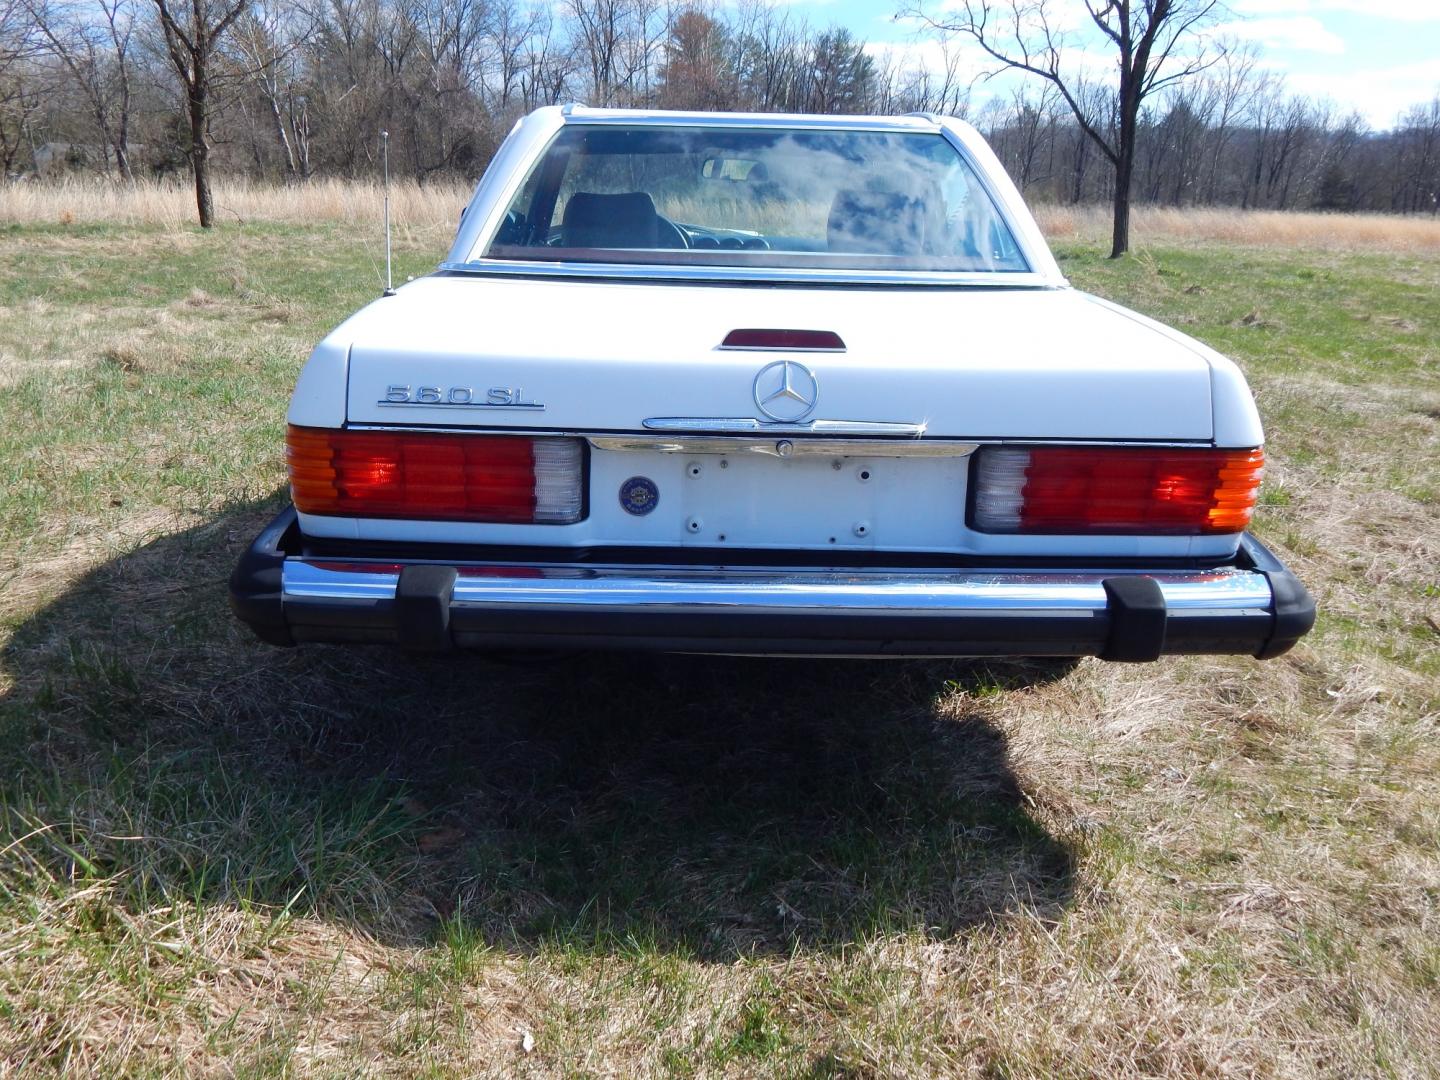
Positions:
{"x": 437, "y": 205}
{"x": 172, "y": 204}
{"x": 1230, "y": 225}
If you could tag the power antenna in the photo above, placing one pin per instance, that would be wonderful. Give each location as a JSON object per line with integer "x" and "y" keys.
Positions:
{"x": 385, "y": 158}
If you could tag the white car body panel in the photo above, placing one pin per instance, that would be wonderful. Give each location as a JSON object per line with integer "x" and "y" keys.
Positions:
{"x": 972, "y": 358}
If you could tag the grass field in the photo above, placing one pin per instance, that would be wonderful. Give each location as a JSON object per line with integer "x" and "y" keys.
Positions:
{"x": 221, "y": 858}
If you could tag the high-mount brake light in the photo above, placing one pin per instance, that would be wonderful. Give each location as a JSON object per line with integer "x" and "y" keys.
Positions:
{"x": 799, "y": 340}
{"x": 510, "y": 479}
{"x": 1143, "y": 490}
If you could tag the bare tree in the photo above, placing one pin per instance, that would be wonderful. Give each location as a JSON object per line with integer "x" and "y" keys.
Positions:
{"x": 18, "y": 98}
{"x": 1030, "y": 122}
{"x": 192, "y": 38}
{"x": 1235, "y": 82}
{"x": 600, "y": 28}
{"x": 770, "y": 52}
{"x": 1417, "y": 187}
{"x": 296, "y": 88}
{"x": 16, "y": 33}
{"x": 925, "y": 89}
{"x": 516, "y": 36}
{"x": 1153, "y": 43}
{"x": 268, "y": 39}
{"x": 96, "y": 54}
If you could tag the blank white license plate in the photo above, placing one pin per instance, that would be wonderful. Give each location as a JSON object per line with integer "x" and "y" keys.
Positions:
{"x": 757, "y": 500}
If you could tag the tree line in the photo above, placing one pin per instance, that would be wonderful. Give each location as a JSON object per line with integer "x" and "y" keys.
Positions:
{"x": 293, "y": 89}
{"x": 1233, "y": 137}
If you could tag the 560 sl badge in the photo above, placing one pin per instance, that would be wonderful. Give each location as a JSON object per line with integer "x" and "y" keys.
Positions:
{"x": 459, "y": 397}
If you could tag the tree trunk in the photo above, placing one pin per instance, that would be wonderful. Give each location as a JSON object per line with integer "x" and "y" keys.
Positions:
{"x": 122, "y": 133}
{"x": 1120, "y": 235}
{"x": 1125, "y": 163}
{"x": 122, "y": 160}
{"x": 1082, "y": 152}
{"x": 200, "y": 149}
{"x": 279, "y": 121}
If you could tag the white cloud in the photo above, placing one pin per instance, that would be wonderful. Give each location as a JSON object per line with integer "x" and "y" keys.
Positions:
{"x": 959, "y": 55}
{"x": 1380, "y": 96}
{"x": 1304, "y": 33}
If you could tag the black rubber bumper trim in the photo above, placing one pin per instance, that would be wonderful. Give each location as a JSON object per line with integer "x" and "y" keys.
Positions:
{"x": 1291, "y": 604}
{"x": 1137, "y": 619}
{"x": 255, "y": 584}
{"x": 1134, "y": 626}
{"x": 422, "y": 607}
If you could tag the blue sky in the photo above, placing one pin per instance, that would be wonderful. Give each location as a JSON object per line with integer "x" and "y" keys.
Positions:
{"x": 1374, "y": 56}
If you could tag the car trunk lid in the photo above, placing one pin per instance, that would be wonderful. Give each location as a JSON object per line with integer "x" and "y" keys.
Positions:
{"x": 590, "y": 356}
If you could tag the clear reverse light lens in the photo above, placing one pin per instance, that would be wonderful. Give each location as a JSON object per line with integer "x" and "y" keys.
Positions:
{"x": 1000, "y": 489}
{"x": 558, "y": 498}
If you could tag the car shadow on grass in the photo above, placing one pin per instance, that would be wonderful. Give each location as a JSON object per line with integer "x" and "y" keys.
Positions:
{"x": 705, "y": 806}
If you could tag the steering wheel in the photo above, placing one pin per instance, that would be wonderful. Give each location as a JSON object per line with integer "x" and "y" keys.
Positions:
{"x": 670, "y": 235}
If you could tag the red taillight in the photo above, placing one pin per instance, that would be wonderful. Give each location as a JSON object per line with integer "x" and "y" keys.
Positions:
{"x": 514, "y": 479}
{"x": 1073, "y": 489}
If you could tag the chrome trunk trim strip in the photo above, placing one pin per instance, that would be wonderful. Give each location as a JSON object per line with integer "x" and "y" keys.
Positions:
{"x": 702, "y": 424}
{"x": 702, "y": 444}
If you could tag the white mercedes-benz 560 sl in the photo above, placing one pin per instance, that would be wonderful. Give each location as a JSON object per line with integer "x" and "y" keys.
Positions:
{"x": 765, "y": 384}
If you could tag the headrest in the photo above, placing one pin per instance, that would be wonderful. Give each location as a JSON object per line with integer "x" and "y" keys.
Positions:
{"x": 626, "y": 220}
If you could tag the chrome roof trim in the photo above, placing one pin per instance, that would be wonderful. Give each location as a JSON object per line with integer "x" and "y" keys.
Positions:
{"x": 583, "y": 114}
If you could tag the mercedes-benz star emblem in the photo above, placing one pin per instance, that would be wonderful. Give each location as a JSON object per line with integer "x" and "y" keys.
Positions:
{"x": 786, "y": 391}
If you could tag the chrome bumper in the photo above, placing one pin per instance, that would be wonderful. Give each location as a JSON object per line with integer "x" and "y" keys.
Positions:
{"x": 1253, "y": 606}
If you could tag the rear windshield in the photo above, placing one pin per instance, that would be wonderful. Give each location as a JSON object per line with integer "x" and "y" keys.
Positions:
{"x": 868, "y": 200}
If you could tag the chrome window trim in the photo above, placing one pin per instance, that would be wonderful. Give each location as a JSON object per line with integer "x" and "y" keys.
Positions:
{"x": 1000, "y": 205}
{"x": 600, "y": 271}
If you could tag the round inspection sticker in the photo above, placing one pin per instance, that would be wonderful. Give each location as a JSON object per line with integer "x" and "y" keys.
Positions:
{"x": 639, "y": 495}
